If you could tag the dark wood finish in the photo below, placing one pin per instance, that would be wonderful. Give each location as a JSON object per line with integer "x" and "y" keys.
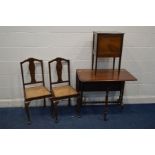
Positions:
{"x": 106, "y": 105}
{"x": 59, "y": 68}
{"x": 32, "y": 70}
{"x": 87, "y": 75}
{"x": 31, "y": 66}
{"x": 55, "y": 84}
{"x": 107, "y": 45}
{"x": 102, "y": 80}
{"x": 28, "y": 112}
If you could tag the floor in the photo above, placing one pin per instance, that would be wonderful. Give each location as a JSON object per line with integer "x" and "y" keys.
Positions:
{"x": 133, "y": 116}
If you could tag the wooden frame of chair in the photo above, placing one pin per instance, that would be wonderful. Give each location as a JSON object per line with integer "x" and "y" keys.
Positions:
{"x": 62, "y": 94}
{"x": 36, "y": 92}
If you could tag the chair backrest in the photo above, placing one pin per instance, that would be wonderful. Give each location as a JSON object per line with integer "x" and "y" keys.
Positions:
{"x": 58, "y": 64}
{"x": 107, "y": 45}
{"x": 31, "y": 66}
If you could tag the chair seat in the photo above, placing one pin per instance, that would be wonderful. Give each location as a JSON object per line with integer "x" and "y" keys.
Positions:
{"x": 36, "y": 92}
{"x": 64, "y": 91}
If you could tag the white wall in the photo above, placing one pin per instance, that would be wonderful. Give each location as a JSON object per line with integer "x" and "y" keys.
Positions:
{"x": 74, "y": 43}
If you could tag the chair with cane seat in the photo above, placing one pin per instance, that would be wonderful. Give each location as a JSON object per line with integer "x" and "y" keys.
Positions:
{"x": 33, "y": 89}
{"x": 60, "y": 88}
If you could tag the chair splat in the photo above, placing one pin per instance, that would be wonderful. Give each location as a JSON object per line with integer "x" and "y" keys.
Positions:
{"x": 59, "y": 69}
{"x": 32, "y": 70}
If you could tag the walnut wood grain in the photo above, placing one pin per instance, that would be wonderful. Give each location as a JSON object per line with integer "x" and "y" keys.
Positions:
{"x": 88, "y": 75}
{"x": 107, "y": 45}
{"x": 106, "y": 80}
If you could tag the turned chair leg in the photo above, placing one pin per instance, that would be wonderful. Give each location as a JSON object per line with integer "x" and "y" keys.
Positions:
{"x": 120, "y": 100}
{"x": 106, "y": 106}
{"x": 52, "y": 108}
{"x": 56, "y": 111}
{"x": 78, "y": 106}
{"x": 27, "y": 112}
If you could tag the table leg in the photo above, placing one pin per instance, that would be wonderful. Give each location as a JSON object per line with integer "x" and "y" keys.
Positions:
{"x": 121, "y": 95}
{"x": 106, "y": 106}
{"x": 79, "y": 103}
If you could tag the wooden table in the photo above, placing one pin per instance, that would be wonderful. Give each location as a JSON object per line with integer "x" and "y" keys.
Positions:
{"x": 102, "y": 80}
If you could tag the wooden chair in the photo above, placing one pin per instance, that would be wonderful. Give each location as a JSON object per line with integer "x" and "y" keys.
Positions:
{"x": 35, "y": 89}
{"x": 60, "y": 89}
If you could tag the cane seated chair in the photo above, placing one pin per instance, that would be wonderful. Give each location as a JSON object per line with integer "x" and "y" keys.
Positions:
{"x": 60, "y": 88}
{"x": 33, "y": 89}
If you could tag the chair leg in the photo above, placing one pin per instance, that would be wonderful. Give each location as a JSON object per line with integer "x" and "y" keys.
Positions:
{"x": 69, "y": 101}
{"x": 27, "y": 112}
{"x": 52, "y": 108}
{"x": 44, "y": 102}
{"x": 56, "y": 111}
{"x": 78, "y": 105}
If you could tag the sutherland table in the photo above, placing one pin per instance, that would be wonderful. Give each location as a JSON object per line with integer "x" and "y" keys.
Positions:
{"x": 102, "y": 80}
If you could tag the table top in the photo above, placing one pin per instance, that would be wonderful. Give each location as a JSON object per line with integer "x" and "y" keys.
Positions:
{"x": 88, "y": 75}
